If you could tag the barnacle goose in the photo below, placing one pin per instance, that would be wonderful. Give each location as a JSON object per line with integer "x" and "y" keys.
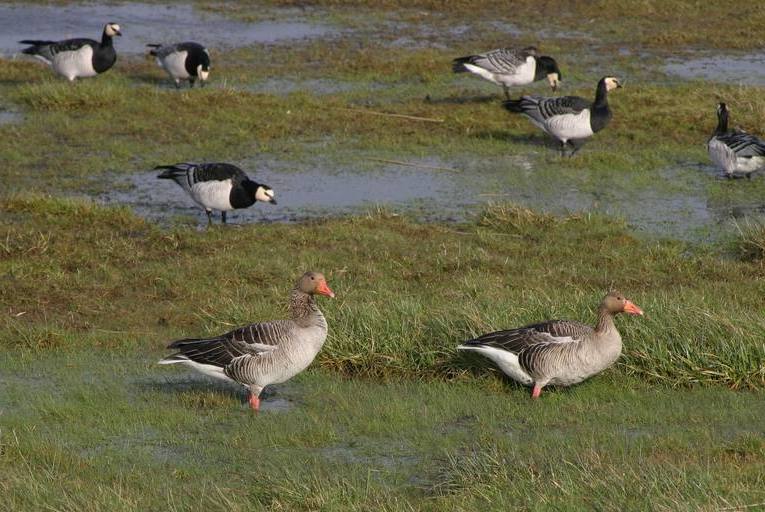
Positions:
{"x": 183, "y": 61}
{"x": 76, "y": 58}
{"x": 570, "y": 119}
{"x": 508, "y": 67}
{"x": 217, "y": 186}
{"x": 736, "y": 152}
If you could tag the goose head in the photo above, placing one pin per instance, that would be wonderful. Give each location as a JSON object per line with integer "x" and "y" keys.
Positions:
{"x": 611, "y": 83}
{"x": 203, "y": 69}
{"x": 722, "y": 111}
{"x": 551, "y": 70}
{"x": 259, "y": 191}
{"x": 313, "y": 283}
{"x": 112, "y": 29}
{"x": 614, "y": 302}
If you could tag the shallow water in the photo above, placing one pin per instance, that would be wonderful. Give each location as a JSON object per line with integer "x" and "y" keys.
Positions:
{"x": 747, "y": 69}
{"x": 141, "y": 24}
{"x": 10, "y": 117}
{"x": 307, "y": 191}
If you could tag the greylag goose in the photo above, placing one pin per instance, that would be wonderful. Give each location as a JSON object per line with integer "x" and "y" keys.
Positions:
{"x": 263, "y": 353}
{"x": 570, "y": 119}
{"x": 183, "y": 61}
{"x": 217, "y": 186}
{"x": 76, "y": 58}
{"x": 736, "y": 152}
{"x": 508, "y": 67}
{"x": 557, "y": 352}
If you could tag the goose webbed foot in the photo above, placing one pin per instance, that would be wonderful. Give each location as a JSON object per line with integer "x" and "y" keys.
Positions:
{"x": 576, "y": 145}
{"x": 536, "y": 391}
{"x": 254, "y": 402}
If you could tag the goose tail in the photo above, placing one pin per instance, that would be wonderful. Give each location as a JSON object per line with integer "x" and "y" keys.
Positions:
{"x": 458, "y": 65}
{"x": 513, "y": 106}
{"x": 154, "y": 48}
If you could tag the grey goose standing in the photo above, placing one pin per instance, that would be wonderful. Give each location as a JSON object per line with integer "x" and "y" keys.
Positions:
{"x": 217, "y": 186}
{"x": 263, "y": 353}
{"x": 77, "y": 58}
{"x": 736, "y": 152}
{"x": 508, "y": 67}
{"x": 183, "y": 61}
{"x": 557, "y": 352}
{"x": 570, "y": 119}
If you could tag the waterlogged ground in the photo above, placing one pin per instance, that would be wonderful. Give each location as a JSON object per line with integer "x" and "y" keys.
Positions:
{"x": 396, "y": 211}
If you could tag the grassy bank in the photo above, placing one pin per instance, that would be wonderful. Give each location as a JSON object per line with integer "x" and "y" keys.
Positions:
{"x": 79, "y": 274}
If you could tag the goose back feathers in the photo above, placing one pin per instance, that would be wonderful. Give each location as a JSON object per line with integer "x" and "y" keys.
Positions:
{"x": 217, "y": 186}
{"x": 263, "y": 353}
{"x": 558, "y": 352}
{"x": 77, "y": 58}
{"x": 183, "y": 61}
{"x": 735, "y": 152}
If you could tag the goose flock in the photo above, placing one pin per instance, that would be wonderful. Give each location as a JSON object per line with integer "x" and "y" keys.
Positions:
{"x": 554, "y": 352}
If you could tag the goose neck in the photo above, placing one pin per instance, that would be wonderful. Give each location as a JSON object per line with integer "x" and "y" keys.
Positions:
{"x": 722, "y": 123}
{"x": 106, "y": 39}
{"x": 302, "y": 305}
{"x": 601, "y": 95}
{"x": 605, "y": 321}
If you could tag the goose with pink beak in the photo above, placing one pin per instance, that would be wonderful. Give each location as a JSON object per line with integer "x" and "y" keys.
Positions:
{"x": 557, "y": 352}
{"x": 263, "y": 353}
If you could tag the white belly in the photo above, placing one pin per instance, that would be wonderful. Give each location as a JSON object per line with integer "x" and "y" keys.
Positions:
{"x": 175, "y": 65}
{"x": 524, "y": 74}
{"x": 570, "y": 126}
{"x": 296, "y": 359}
{"x": 506, "y": 361}
{"x": 213, "y": 195}
{"x": 74, "y": 64}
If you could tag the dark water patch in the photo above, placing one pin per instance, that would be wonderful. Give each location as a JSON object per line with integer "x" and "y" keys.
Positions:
{"x": 747, "y": 69}
{"x": 10, "y": 117}
{"x": 143, "y": 23}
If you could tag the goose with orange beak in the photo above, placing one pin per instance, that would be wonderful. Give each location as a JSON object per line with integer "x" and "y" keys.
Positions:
{"x": 263, "y": 353}
{"x": 557, "y": 352}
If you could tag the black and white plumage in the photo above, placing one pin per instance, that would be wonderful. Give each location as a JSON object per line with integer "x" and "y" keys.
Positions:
{"x": 735, "y": 152}
{"x": 217, "y": 186}
{"x": 183, "y": 61}
{"x": 558, "y": 352}
{"x": 570, "y": 119}
{"x": 508, "y": 67}
{"x": 77, "y": 58}
{"x": 263, "y": 353}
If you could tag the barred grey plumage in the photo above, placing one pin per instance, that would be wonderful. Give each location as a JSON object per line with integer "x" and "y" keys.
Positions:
{"x": 736, "y": 152}
{"x": 557, "y": 352}
{"x": 508, "y": 67}
{"x": 570, "y": 119}
{"x": 263, "y": 353}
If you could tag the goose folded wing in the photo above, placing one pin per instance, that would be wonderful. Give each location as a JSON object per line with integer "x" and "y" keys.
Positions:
{"x": 219, "y": 172}
{"x": 551, "y": 107}
{"x": 71, "y": 45}
{"x": 537, "y": 335}
{"x": 744, "y": 144}
{"x": 251, "y": 340}
{"x": 499, "y": 61}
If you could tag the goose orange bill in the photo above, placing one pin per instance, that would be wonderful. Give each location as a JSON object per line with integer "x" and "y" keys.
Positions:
{"x": 323, "y": 289}
{"x": 631, "y": 308}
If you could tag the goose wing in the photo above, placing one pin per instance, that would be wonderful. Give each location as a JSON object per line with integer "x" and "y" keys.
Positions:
{"x": 220, "y": 172}
{"x": 251, "y": 340}
{"x": 538, "y": 346}
{"x": 48, "y": 49}
{"x": 501, "y": 61}
{"x": 743, "y": 144}
{"x": 541, "y": 108}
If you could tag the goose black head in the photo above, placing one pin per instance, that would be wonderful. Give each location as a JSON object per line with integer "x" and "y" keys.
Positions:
{"x": 548, "y": 68}
{"x": 112, "y": 29}
{"x": 612, "y": 83}
{"x": 203, "y": 69}
{"x": 260, "y": 192}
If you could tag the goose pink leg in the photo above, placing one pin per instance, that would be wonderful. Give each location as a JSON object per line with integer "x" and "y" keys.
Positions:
{"x": 536, "y": 391}
{"x": 254, "y": 402}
